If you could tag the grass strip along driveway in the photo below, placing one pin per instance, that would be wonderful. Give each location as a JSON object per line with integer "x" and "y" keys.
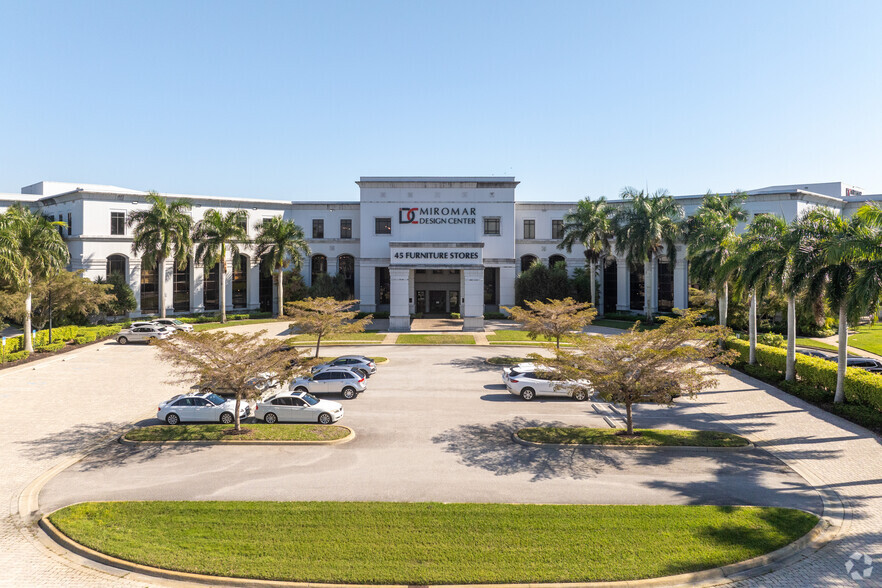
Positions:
{"x": 429, "y": 543}
{"x": 417, "y": 339}
{"x": 652, "y": 437}
{"x": 257, "y": 432}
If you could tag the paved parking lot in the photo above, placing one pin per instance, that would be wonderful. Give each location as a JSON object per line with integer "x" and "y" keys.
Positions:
{"x": 434, "y": 425}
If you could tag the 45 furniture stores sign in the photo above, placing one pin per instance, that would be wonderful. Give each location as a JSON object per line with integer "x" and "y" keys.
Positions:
{"x": 437, "y": 254}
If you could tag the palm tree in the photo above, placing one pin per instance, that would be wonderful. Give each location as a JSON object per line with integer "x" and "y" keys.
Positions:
{"x": 711, "y": 240}
{"x": 217, "y": 233}
{"x": 827, "y": 269}
{"x": 770, "y": 244}
{"x": 164, "y": 230}
{"x": 285, "y": 244}
{"x": 30, "y": 249}
{"x": 645, "y": 227}
{"x": 590, "y": 226}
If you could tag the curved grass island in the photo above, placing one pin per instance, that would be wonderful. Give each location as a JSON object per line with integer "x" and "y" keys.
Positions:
{"x": 429, "y": 543}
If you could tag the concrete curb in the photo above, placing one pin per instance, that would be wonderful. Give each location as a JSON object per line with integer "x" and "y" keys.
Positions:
{"x": 122, "y": 439}
{"x": 662, "y": 448}
{"x": 799, "y": 549}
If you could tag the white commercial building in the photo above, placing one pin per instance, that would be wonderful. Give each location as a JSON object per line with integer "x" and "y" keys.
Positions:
{"x": 408, "y": 245}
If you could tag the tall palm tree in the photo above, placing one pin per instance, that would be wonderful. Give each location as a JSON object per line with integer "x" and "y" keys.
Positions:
{"x": 770, "y": 244}
{"x": 162, "y": 231}
{"x": 218, "y": 233}
{"x": 711, "y": 240}
{"x": 30, "y": 249}
{"x": 589, "y": 225}
{"x": 825, "y": 269}
{"x": 285, "y": 244}
{"x": 645, "y": 227}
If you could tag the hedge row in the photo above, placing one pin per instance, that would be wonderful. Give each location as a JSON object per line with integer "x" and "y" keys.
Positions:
{"x": 861, "y": 387}
{"x": 13, "y": 349}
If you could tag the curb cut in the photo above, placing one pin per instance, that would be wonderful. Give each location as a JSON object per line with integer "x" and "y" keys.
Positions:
{"x": 662, "y": 448}
{"x": 811, "y": 541}
{"x": 122, "y": 439}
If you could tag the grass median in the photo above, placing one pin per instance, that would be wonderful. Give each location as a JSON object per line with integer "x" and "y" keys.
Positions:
{"x": 652, "y": 437}
{"x": 371, "y": 337}
{"x": 416, "y": 339}
{"x": 429, "y": 543}
{"x": 257, "y": 432}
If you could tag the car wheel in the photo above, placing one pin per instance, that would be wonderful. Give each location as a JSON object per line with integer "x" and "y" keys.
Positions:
{"x": 122, "y": 340}
{"x": 324, "y": 419}
{"x": 580, "y": 395}
{"x": 226, "y": 418}
{"x": 528, "y": 394}
{"x": 300, "y": 389}
{"x": 172, "y": 419}
{"x": 349, "y": 393}
{"x": 270, "y": 418}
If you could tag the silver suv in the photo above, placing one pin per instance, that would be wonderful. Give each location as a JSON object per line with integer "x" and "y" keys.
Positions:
{"x": 143, "y": 333}
{"x": 334, "y": 380}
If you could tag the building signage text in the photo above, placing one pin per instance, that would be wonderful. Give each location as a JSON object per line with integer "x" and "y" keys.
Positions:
{"x": 436, "y": 256}
{"x": 437, "y": 215}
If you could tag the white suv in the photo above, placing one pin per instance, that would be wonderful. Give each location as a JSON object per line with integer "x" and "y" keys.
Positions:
{"x": 538, "y": 381}
{"x": 144, "y": 332}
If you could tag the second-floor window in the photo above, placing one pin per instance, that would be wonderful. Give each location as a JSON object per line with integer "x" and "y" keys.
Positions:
{"x": 346, "y": 228}
{"x": 529, "y": 228}
{"x": 69, "y": 225}
{"x": 117, "y": 223}
{"x": 557, "y": 229}
{"x": 383, "y": 225}
{"x": 491, "y": 225}
{"x": 318, "y": 228}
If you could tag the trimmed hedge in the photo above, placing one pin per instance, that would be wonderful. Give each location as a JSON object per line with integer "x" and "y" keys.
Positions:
{"x": 861, "y": 387}
{"x": 48, "y": 348}
{"x": 16, "y": 356}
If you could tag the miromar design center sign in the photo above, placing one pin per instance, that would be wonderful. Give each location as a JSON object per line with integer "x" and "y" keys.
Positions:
{"x": 437, "y": 215}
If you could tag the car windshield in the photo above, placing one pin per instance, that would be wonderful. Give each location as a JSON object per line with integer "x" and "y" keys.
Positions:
{"x": 177, "y": 322}
{"x": 310, "y": 400}
{"x": 215, "y": 399}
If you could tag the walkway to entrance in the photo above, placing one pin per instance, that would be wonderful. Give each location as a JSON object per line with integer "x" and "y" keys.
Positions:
{"x": 435, "y": 324}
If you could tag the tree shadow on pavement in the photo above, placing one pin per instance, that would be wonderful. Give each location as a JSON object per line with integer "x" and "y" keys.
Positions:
{"x": 475, "y": 364}
{"x": 490, "y": 447}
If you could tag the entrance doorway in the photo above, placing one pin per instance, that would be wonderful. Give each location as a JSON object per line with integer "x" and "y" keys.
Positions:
{"x": 438, "y": 301}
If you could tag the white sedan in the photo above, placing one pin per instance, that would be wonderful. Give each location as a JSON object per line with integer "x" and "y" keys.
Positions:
{"x": 297, "y": 407}
{"x": 535, "y": 382}
{"x": 203, "y": 408}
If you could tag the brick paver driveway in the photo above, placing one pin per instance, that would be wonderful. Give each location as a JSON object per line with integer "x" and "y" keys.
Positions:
{"x": 60, "y": 408}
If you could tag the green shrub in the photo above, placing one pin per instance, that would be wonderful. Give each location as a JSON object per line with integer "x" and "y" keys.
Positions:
{"x": 772, "y": 340}
{"x": 495, "y": 315}
{"x": 772, "y": 357}
{"x": 819, "y": 372}
{"x": 381, "y": 315}
{"x": 455, "y": 315}
{"x": 14, "y": 344}
{"x": 50, "y": 347}
{"x": 9, "y": 357}
{"x": 742, "y": 347}
{"x": 86, "y": 337}
{"x": 806, "y": 391}
{"x": 863, "y": 387}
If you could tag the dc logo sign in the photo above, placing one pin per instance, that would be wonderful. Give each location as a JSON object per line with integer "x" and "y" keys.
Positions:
{"x": 859, "y": 566}
{"x": 407, "y": 216}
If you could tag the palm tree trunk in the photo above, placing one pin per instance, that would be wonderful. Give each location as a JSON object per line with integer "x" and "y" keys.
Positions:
{"x": 790, "y": 373}
{"x": 648, "y": 286}
{"x": 839, "y": 397}
{"x": 223, "y": 284}
{"x": 28, "y": 341}
{"x": 751, "y": 328}
{"x": 593, "y": 284}
{"x": 281, "y": 292}
{"x": 724, "y": 304}
{"x": 160, "y": 276}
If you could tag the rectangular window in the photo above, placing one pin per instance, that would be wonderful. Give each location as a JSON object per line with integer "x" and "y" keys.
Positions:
{"x": 557, "y": 229}
{"x": 491, "y": 225}
{"x": 69, "y": 225}
{"x": 117, "y": 223}
{"x": 318, "y": 228}
{"x": 382, "y": 281}
{"x": 61, "y": 227}
{"x": 345, "y": 228}
{"x": 383, "y": 225}
{"x": 529, "y": 228}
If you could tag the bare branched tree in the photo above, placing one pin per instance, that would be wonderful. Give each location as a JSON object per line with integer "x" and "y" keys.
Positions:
{"x": 553, "y": 319}
{"x": 325, "y": 316}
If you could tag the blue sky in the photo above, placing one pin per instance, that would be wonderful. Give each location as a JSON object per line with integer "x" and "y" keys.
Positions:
{"x": 296, "y": 100}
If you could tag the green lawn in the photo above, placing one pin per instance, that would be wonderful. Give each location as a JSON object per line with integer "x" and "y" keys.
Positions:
{"x": 412, "y": 339}
{"x": 368, "y": 336}
{"x": 259, "y": 431}
{"x": 654, "y": 437}
{"x": 868, "y": 338}
{"x": 518, "y": 337}
{"x": 812, "y": 344}
{"x": 429, "y": 543}
{"x": 197, "y": 327}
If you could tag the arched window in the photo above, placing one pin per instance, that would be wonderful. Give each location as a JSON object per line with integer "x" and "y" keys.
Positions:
{"x": 555, "y": 259}
{"x": 319, "y": 266}
{"x": 346, "y": 268}
{"x": 240, "y": 282}
{"x": 527, "y": 261}
{"x": 116, "y": 266}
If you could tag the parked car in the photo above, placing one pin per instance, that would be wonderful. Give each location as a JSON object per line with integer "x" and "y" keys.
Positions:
{"x": 356, "y": 363}
{"x": 816, "y": 353}
{"x": 134, "y": 324}
{"x": 864, "y": 363}
{"x": 339, "y": 380}
{"x": 297, "y": 407}
{"x": 261, "y": 382}
{"x": 205, "y": 408}
{"x": 141, "y": 333}
{"x": 539, "y": 382}
{"x": 516, "y": 369}
{"x": 175, "y": 324}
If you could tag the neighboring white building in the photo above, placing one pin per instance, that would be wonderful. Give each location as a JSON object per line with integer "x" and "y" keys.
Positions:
{"x": 408, "y": 245}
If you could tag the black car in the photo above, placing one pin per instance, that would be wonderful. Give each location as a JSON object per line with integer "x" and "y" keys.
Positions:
{"x": 816, "y": 353}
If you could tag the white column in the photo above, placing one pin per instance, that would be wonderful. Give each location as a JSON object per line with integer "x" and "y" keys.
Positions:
{"x": 598, "y": 269}
{"x": 135, "y": 282}
{"x": 505, "y": 285}
{"x": 411, "y": 295}
{"x": 365, "y": 274}
{"x": 623, "y": 285}
{"x": 332, "y": 265}
{"x": 399, "y": 286}
{"x": 253, "y": 287}
{"x": 197, "y": 286}
{"x": 227, "y": 282}
{"x": 650, "y": 284}
{"x": 167, "y": 274}
{"x": 681, "y": 280}
{"x": 471, "y": 299}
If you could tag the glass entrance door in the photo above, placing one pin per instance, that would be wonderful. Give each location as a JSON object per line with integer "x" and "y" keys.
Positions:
{"x": 454, "y": 300}
{"x": 438, "y": 301}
